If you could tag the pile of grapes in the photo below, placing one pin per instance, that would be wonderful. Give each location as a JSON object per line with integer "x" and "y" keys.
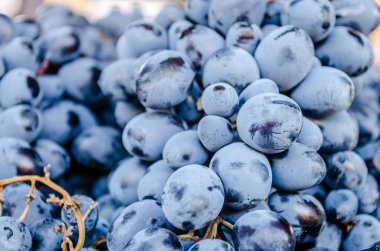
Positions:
{"x": 226, "y": 125}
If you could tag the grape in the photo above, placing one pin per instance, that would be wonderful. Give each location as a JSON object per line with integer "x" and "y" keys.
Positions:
{"x": 244, "y": 35}
{"x": 252, "y": 234}
{"x": 175, "y": 30}
{"x": 21, "y": 121}
{"x": 19, "y": 86}
{"x": 251, "y": 11}
{"x": 214, "y": 132}
{"x": 184, "y": 148}
{"x": 125, "y": 111}
{"x": 298, "y": 168}
{"x": 211, "y": 244}
{"x": 317, "y": 18}
{"x": 302, "y": 211}
{"x": 318, "y": 191}
{"x": 7, "y": 29}
{"x": 15, "y": 235}
{"x": 285, "y": 56}
{"x": 164, "y": 80}
{"x": 341, "y": 206}
{"x": 124, "y": 180}
{"x": 169, "y": 15}
{"x": 154, "y": 239}
{"x": 199, "y": 42}
{"x": 139, "y": 37}
{"x": 257, "y": 87}
{"x": 346, "y": 170}
{"x": 141, "y": 137}
{"x": 108, "y": 208}
{"x": 52, "y": 88}
{"x": 274, "y": 10}
{"x": 193, "y": 196}
{"x": 242, "y": 68}
{"x": 245, "y": 173}
{"x": 232, "y": 215}
{"x": 261, "y": 128}
{"x": 100, "y": 231}
{"x": 220, "y": 99}
{"x": 134, "y": 218}
{"x": 310, "y": 135}
{"x": 330, "y": 237}
{"x": 19, "y": 53}
{"x": 44, "y": 234}
{"x": 363, "y": 234}
{"x": 324, "y": 91}
{"x": 55, "y": 155}
{"x": 368, "y": 195}
{"x": 353, "y": 56}
{"x": 106, "y": 155}
{"x": 197, "y": 10}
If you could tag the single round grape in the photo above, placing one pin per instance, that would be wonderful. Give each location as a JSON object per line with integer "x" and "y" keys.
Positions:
{"x": 340, "y": 132}
{"x": 318, "y": 191}
{"x": 368, "y": 122}
{"x": 170, "y": 14}
{"x": 83, "y": 85}
{"x": 19, "y": 53}
{"x": 363, "y": 16}
{"x": 245, "y": 173}
{"x": 363, "y": 234}
{"x": 105, "y": 156}
{"x": 214, "y": 132}
{"x": 55, "y": 155}
{"x": 21, "y": 121}
{"x": 19, "y": 86}
{"x": 330, "y": 237}
{"x": 242, "y": 68}
{"x": 141, "y": 137}
{"x": 193, "y": 196}
{"x": 298, "y": 168}
{"x": 260, "y": 86}
{"x": 115, "y": 79}
{"x": 341, "y": 206}
{"x": 310, "y": 135}
{"x": 184, "y": 148}
{"x": 285, "y": 56}
{"x": 154, "y": 239}
{"x": 124, "y": 180}
{"x": 15, "y": 196}
{"x": 125, "y": 111}
{"x": 251, "y": 11}
{"x": 58, "y": 46}
{"x": 15, "y": 235}
{"x": 175, "y": 30}
{"x": 304, "y": 212}
{"x": 139, "y": 37}
{"x": 263, "y": 230}
{"x": 134, "y": 218}
{"x": 45, "y": 237}
{"x": 151, "y": 185}
{"x": 260, "y": 126}
{"x": 368, "y": 195}
{"x": 346, "y": 49}
{"x": 316, "y": 17}
{"x": 52, "y": 87}
{"x": 64, "y": 120}
{"x": 220, "y": 99}
{"x": 324, "y": 91}
{"x": 197, "y": 11}
{"x": 108, "y": 208}
{"x": 244, "y": 35}
{"x": 164, "y": 80}
{"x": 199, "y": 42}
{"x": 7, "y": 29}
{"x": 346, "y": 170}
{"x": 211, "y": 244}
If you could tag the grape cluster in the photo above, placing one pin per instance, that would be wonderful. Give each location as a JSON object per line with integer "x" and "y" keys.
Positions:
{"x": 234, "y": 125}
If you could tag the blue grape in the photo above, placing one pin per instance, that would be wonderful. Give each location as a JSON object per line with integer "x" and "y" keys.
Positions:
{"x": 274, "y": 10}
{"x": 260, "y": 127}
{"x": 368, "y": 195}
{"x": 260, "y": 86}
{"x": 7, "y": 29}
{"x": 310, "y": 135}
{"x": 298, "y": 168}
{"x": 232, "y": 215}
{"x": 245, "y": 173}
{"x": 52, "y": 87}
{"x": 285, "y": 56}
{"x": 124, "y": 180}
{"x": 212, "y": 244}
{"x": 16, "y": 236}
{"x": 341, "y": 206}
{"x": 244, "y": 35}
{"x": 251, "y": 232}
{"x": 220, "y": 99}
{"x": 214, "y": 132}
{"x": 193, "y": 196}
{"x": 44, "y": 234}
{"x": 175, "y": 30}
{"x": 154, "y": 239}
{"x": 134, "y": 218}
{"x": 330, "y": 237}
{"x": 242, "y": 68}
{"x": 19, "y": 53}
{"x": 108, "y": 208}
{"x": 125, "y": 111}
{"x": 169, "y": 15}
{"x": 197, "y": 10}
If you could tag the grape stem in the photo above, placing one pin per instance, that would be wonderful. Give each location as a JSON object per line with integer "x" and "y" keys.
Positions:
{"x": 67, "y": 202}
{"x": 29, "y": 198}
{"x": 99, "y": 242}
